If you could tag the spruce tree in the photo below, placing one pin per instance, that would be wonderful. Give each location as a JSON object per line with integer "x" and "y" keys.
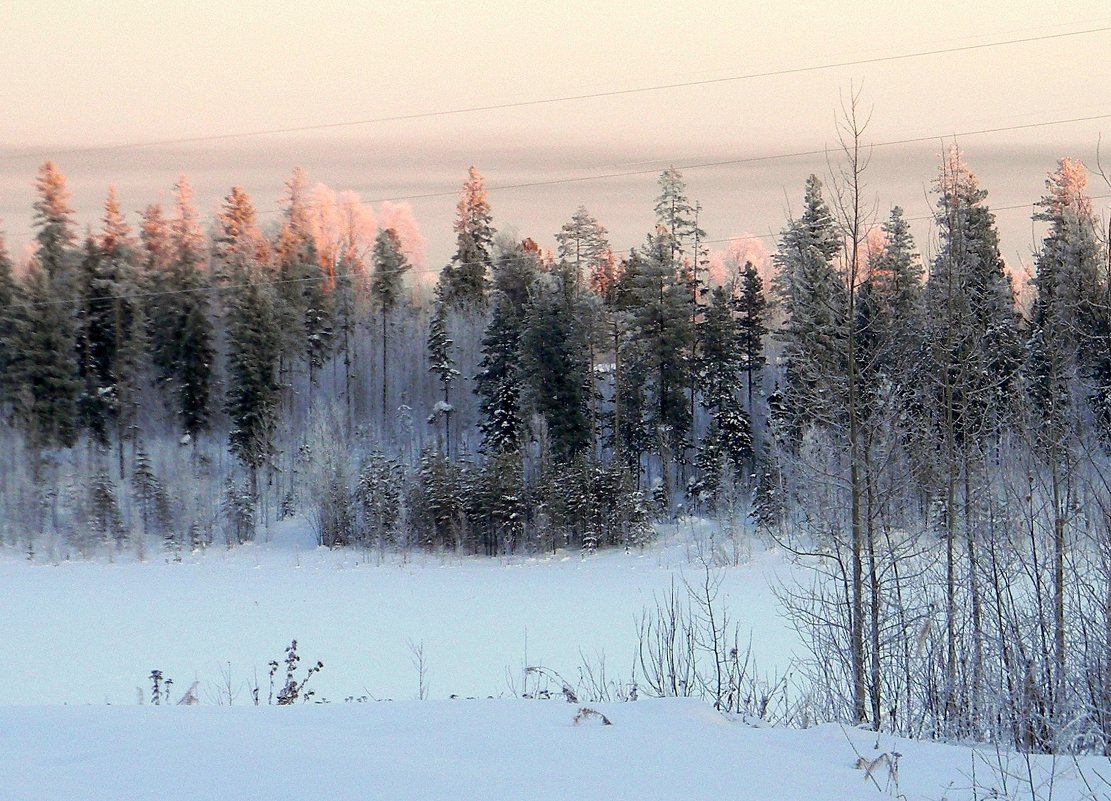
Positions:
{"x": 498, "y": 383}
{"x": 11, "y": 303}
{"x": 657, "y": 350}
{"x": 556, "y": 366}
{"x": 441, "y": 364}
{"x": 720, "y": 367}
{"x": 813, "y": 297}
{"x": 180, "y": 337}
{"x": 109, "y": 336}
{"x": 253, "y": 338}
{"x": 752, "y": 313}
{"x": 45, "y": 366}
{"x": 53, "y": 219}
{"x": 44, "y": 369}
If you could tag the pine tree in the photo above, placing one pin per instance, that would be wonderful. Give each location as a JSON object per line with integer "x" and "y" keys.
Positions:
{"x": 464, "y": 279}
{"x": 582, "y": 244}
{"x": 390, "y": 265}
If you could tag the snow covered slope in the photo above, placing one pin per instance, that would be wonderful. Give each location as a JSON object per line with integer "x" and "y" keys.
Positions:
{"x": 460, "y": 750}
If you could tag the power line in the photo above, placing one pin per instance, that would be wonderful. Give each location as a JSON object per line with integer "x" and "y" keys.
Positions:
{"x": 415, "y": 270}
{"x": 722, "y": 162}
{"x": 566, "y": 98}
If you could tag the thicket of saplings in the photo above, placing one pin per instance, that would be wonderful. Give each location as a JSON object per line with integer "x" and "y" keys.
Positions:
{"x": 936, "y": 454}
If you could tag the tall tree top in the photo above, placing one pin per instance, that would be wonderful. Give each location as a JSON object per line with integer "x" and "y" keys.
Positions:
{"x": 53, "y": 217}
{"x": 116, "y": 239}
{"x": 187, "y": 235}
{"x": 296, "y": 203}
{"x": 676, "y": 216}
{"x": 1066, "y": 190}
{"x": 239, "y": 245}
{"x": 473, "y": 210}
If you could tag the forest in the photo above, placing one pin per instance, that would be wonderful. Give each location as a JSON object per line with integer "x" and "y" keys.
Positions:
{"x": 935, "y": 450}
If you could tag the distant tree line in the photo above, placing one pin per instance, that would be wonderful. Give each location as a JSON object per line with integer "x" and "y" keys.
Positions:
{"x": 936, "y": 453}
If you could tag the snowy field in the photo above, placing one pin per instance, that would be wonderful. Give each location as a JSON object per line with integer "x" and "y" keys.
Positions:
{"x": 84, "y": 636}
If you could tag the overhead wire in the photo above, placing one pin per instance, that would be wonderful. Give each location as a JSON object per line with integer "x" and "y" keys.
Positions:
{"x": 568, "y": 98}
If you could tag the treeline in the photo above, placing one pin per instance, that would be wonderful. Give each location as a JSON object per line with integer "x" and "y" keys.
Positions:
{"x": 937, "y": 454}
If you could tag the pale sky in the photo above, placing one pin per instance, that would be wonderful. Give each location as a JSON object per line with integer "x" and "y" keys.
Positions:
{"x": 91, "y": 74}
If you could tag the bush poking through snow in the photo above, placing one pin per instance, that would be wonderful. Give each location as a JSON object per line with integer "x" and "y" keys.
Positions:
{"x": 586, "y": 713}
{"x": 292, "y": 690}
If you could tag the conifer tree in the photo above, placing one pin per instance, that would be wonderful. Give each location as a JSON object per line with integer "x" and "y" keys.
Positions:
{"x": 11, "y": 303}
{"x": 498, "y": 383}
{"x": 556, "y": 366}
{"x": 582, "y": 244}
{"x": 1064, "y": 325}
{"x": 752, "y": 310}
{"x": 253, "y": 339}
{"x": 895, "y": 278}
{"x": 657, "y": 350}
{"x": 463, "y": 280}
{"x": 304, "y": 292}
{"x": 390, "y": 266}
{"x": 720, "y": 368}
{"x": 179, "y": 331}
{"x": 441, "y": 364}
{"x": 53, "y": 220}
{"x": 814, "y": 300}
{"x": 109, "y": 341}
{"x": 44, "y": 369}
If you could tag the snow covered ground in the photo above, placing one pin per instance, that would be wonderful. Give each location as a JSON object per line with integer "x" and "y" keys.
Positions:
{"x": 462, "y": 750}
{"x": 91, "y": 632}
{"x": 82, "y": 638}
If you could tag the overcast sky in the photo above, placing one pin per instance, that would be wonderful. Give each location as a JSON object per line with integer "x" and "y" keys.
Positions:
{"x": 79, "y": 75}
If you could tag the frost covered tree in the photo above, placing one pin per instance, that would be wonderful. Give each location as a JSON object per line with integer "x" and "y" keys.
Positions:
{"x": 442, "y": 366}
{"x": 253, "y": 338}
{"x": 304, "y": 307}
{"x": 386, "y": 288}
{"x": 752, "y": 313}
{"x": 728, "y": 442}
{"x": 11, "y": 302}
{"x": 498, "y": 383}
{"x": 179, "y": 336}
{"x": 582, "y": 244}
{"x": 54, "y": 223}
{"x": 814, "y": 300}
{"x": 556, "y": 366}
{"x": 463, "y": 280}
{"x": 109, "y": 331}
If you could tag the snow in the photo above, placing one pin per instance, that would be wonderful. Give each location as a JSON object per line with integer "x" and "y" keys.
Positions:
{"x": 84, "y": 636}
{"x": 91, "y": 632}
